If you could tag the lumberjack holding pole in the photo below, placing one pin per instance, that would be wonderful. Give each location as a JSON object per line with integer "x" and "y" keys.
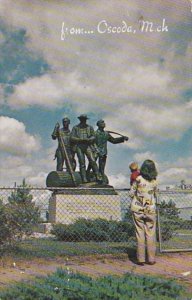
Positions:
{"x": 101, "y": 139}
{"x": 64, "y": 152}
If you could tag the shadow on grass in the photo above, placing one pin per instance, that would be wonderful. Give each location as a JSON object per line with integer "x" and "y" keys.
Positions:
{"x": 49, "y": 248}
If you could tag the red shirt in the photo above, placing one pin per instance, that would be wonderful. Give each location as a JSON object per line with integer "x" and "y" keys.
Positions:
{"x": 133, "y": 176}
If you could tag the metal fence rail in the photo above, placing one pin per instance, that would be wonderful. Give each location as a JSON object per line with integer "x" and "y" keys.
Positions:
{"x": 87, "y": 215}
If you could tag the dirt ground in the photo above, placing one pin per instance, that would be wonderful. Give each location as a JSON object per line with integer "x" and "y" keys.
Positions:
{"x": 172, "y": 265}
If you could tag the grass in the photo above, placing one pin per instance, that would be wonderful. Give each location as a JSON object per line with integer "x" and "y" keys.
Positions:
{"x": 178, "y": 242}
{"x": 184, "y": 231}
{"x": 49, "y": 248}
{"x": 67, "y": 285}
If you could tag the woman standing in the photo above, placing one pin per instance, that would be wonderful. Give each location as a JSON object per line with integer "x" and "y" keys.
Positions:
{"x": 143, "y": 194}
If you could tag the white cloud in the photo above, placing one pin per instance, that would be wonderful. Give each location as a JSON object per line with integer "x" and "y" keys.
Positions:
{"x": 11, "y": 162}
{"x": 140, "y": 157}
{"x": 134, "y": 142}
{"x": 1, "y": 94}
{"x": 119, "y": 181}
{"x": 34, "y": 168}
{"x": 50, "y": 91}
{"x": 174, "y": 171}
{"x": 184, "y": 162}
{"x": 145, "y": 81}
{"x": 173, "y": 175}
{"x": 144, "y": 122}
{"x": 39, "y": 180}
{"x": 13, "y": 169}
{"x": 14, "y": 138}
{"x": 162, "y": 122}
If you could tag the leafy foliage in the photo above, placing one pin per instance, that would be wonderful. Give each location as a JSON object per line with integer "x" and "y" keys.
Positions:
{"x": 67, "y": 285}
{"x": 24, "y": 212}
{"x": 169, "y": 219}
{"x": 6, "y": 232}
{"x": 17, "y": 216}
{"x": 186, "y": 224}
{"x": 93, "y": 230}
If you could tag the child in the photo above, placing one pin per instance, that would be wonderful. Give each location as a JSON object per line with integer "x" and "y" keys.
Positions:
{"x": 134, "y": 172}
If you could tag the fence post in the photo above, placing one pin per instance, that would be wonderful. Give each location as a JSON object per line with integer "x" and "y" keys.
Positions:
{"x": 158, "y": 223}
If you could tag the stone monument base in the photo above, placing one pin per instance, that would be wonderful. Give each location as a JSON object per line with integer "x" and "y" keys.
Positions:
{"x": 43, "y": 228}
{"x": 66, "y": 206}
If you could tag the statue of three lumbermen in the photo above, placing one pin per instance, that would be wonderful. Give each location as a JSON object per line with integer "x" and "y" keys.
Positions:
{"x": 86, "y": 143}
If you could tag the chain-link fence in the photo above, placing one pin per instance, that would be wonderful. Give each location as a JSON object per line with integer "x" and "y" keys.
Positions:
{"x": 67, "y": 221}
{"x": 175, "y": 220}
{"x": 66, "y": 205}
{"x": 75, "y": 215}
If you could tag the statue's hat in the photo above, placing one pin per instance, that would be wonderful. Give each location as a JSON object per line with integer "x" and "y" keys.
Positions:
{"x": 83, "y": 117}
{"x": 100, "y": 122}
{"x": 66, "y": 119}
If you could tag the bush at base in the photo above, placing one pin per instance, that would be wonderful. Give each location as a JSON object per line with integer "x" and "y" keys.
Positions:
{"x": 66, "y": 285}
{"x": 98, "y": 230}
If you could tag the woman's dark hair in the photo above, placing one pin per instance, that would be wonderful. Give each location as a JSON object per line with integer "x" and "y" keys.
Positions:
{"x": 148, "y": 170}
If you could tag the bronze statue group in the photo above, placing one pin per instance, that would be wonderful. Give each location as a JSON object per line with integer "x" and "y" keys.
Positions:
{"x": 87, "y": 143}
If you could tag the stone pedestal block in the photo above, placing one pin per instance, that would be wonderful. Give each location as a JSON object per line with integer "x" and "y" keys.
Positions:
{"x": 66, "y": 208}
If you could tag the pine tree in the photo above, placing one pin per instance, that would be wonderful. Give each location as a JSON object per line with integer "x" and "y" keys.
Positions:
{"x": 23, "y": 212}
{"x": 169, "y": 219}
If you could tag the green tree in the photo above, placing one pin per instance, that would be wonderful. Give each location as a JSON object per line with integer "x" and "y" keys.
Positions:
{"x": 21, "y": 195}
{"x": 18, "y": 216}
{"x": 6, "y": 231}
{"x": 169, "y": 219}
{"x": 25, "y": 214}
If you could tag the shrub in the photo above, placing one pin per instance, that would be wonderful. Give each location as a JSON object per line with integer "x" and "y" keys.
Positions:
{"x": 6, "y": 231}
{"x": 169, "y": 219}
{"x": 186, "y": 224}
{"x": 98, "y": 230}
{"x": 129, "y": 219}
{"x": 17, "y": 216}
{"x": 67, "y": 285}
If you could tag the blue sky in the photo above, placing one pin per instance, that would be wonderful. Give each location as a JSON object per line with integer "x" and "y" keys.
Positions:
{"x": 140, "y": 83}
